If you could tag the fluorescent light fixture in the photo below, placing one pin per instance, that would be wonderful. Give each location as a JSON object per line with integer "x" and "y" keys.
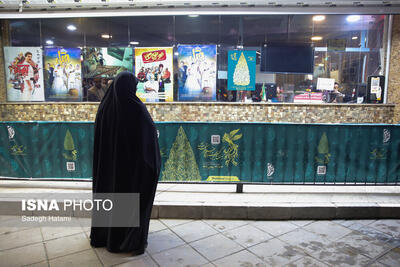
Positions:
{"x": 321, "y": 65}
{"x": 353, "y": 18}
{"x": 318, "y": 18}
{"x": 354, "y": 37}
{"x": 316, "y": 38}
{"x": 106, "y": 36}
{"x": 134, "y": 43}
{"x": 49, "y": 42}
{"x": 193, "y": 16}
{"x": 315, "y": 56}
{"x": 176, "y": 54}
{"x": 71, "y": 28}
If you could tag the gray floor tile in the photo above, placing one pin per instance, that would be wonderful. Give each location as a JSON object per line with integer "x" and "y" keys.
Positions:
{"x": 66, "y": 245}
{"x": 375, "y": 234}
{"x": 39, "y": 264}
{"x": 390, "y": 227}
{"x": 392, "y": 258}
{"x": 276, "y": 252}
{"x": 306, "y": 240}
{"x": 57, "y": 232}
{"x": 247, "y": 235}
{"x": 327, "y": 229}
{"x": 20, "y": 238}
{"x": 85, "y": 258}
{"x": 307, "y": 262}
{"x": 216, "y": 246}
{"x": 162, "y": 240}
{"x": 336, "y": 255}
{"x": 275, "y": 228}
{"x": 144, "y": 261}
{"x": 111, "y": 259}
{"x": 240, "y": 259}
{"x": 194, "y": 231}
{"x": 224, "y": 225}
{"x": 301, "y": 223}
{"x": 363, "y": 244}
{"x": 174, "y": 222}
{"x": 180, "y": 256}
{"x": 156, "y": 225}
{"x": 23, "y": 255}
{"x": 345, "y": 223}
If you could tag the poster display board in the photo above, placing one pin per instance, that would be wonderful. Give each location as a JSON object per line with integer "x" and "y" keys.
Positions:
{"x": 24, "y": 73}
{"x": 241, "y": 70}
{"x": 103, "y": 62}
{"x": 197, "y": 72}
{"x": 63, "y": 77}
{"x": 154, "y": 70}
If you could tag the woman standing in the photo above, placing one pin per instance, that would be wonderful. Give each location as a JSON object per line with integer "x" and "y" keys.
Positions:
{"x": 126, "y": 160}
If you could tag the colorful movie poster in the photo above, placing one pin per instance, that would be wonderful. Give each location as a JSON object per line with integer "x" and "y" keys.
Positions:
{"x": 62, "y": 74}
{"x": 154, "y": 70}
{"x": 197, "y": 72}
{"x": 24, "y": 73}
{"x": 241, "y": 70}
{"x": 102, "y": 62}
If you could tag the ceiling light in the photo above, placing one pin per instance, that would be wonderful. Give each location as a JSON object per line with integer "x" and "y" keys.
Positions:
{"x": 318, "y": 18}
{"x": 106, "y": 36}
{"x": 354, "y": 37}
{"x": 353, "y": 18}
{"x": 193, "y": 16}
{"x": 49, "y": 42}
{"x": 71, "y": 28}
{"x": 316, "y": 38}
{"x": 321, "y": 65}
{"x": 176, "y": 54}
{"x": 134, "y": 43}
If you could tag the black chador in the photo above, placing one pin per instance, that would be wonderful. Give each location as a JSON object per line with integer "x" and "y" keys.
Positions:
{"x": 126, "y": 159}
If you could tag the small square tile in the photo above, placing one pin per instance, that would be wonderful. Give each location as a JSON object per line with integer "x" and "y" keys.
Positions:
{"x": 224, "y": 225}
{"x": 20, "y": 238}
{"x": 336, "y": 255}
{"x": 363, "y": 244}
{"x": 307, "y": 262}
{"x": 174, "y": 222}
{"x": 327, "y": 229}
{"x": 156, "y": 225}
{"x": 216, "y": 246}
{"x": 179, "y": 256}
{"x": 275, "y": 228}
{"x": 162, "y": 240}
{"x": 57, "y": 232}
{"x": 85, "y": 258}
{"x": 392, "y": 258}
{"x": 23, "y": 255}
{"x": 110, "y": 259}
{"x": 247, "y": 235}
{"x": 194, "y": 230}
{"x": 303, "y": 239}
{"x": 276, "y": 252}
{"x": 242, "y": 258}
{"x": 66, "y": 245}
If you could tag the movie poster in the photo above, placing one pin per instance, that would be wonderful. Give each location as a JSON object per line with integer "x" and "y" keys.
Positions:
{"x": 241, "y": 70}
{"x": 197, "y": 72}
{"x": 154, "y": 70}
{"x": 62, "y": 74}
{"x": 24, "y": 73}
{"x": 102, "y": 62}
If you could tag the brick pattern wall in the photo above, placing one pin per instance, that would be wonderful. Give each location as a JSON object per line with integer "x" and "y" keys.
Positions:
{"x": 332, "y": 113}
{"x": 394, "y": 69}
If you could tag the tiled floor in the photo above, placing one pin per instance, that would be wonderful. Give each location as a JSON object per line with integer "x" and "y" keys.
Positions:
{"x": 214, "y": 243}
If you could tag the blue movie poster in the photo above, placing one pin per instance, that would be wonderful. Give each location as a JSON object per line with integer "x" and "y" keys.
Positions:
{"x": 197, "y": 72}
{"x": 241, "y": 70}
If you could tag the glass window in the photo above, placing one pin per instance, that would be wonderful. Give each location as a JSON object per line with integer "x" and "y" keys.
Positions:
{"x": 346, "y": 49}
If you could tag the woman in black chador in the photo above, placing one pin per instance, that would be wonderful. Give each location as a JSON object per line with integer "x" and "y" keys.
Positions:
{"x": 126, "y": 159}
